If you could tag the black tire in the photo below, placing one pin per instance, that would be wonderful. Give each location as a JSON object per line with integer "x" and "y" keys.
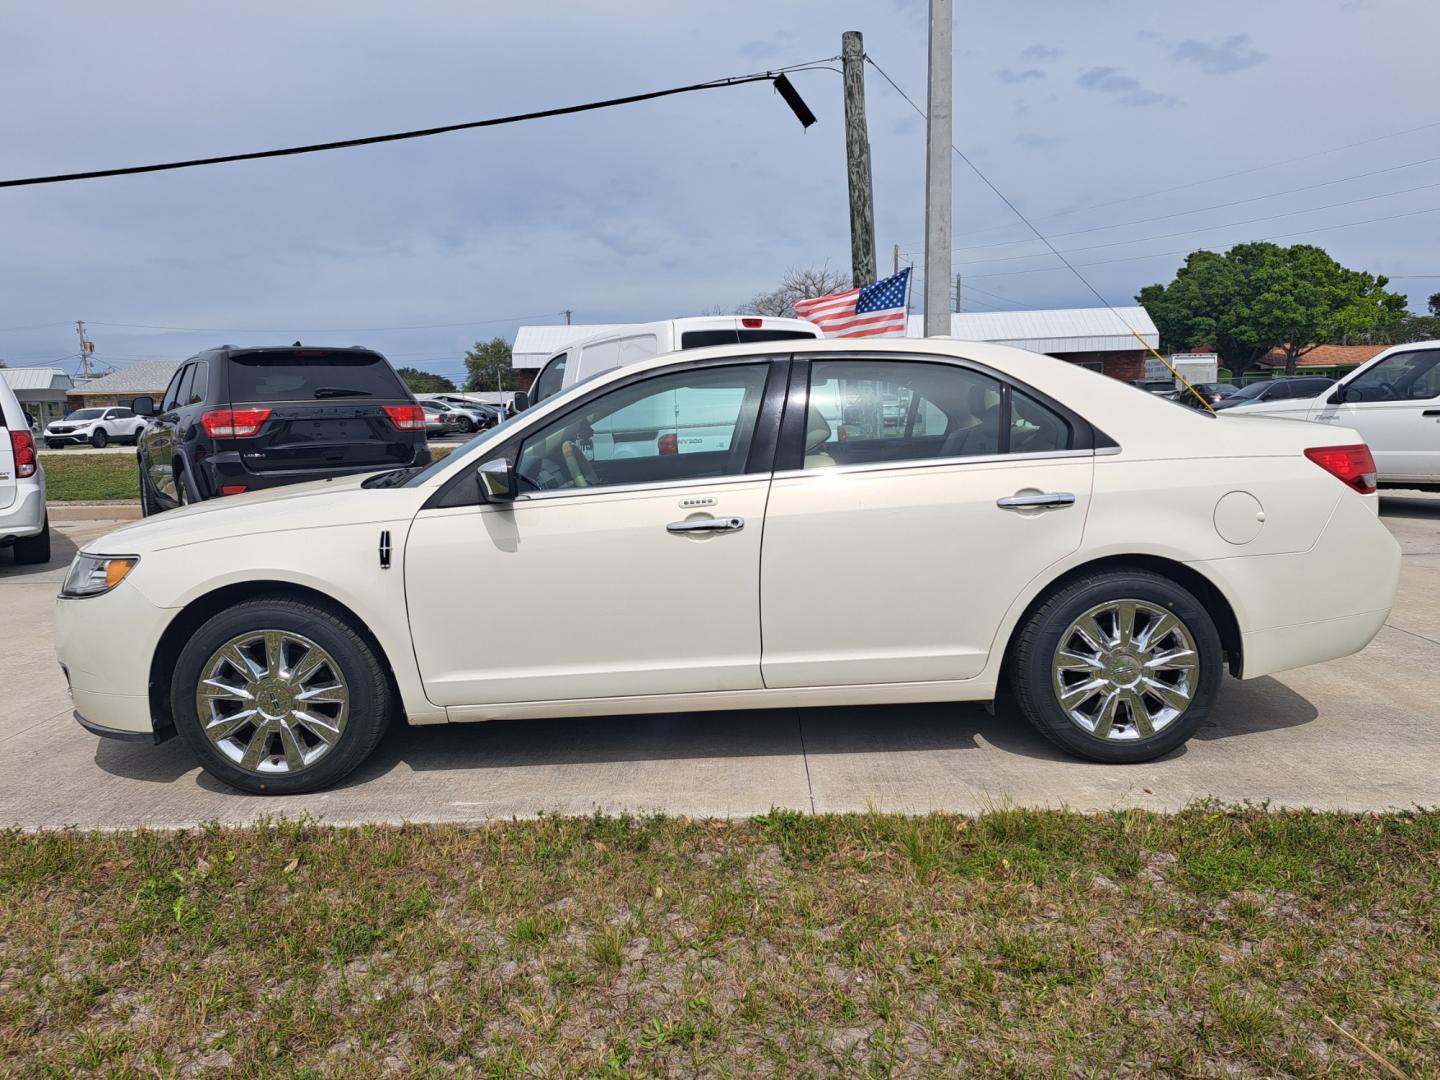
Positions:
{"x": 360, "y": 667}
{"x": 148, "y": 505}
{"x": 467, "y": 426}
{"x": 99, "y": 438}
{"x": 33, "y": 550}
{"x": 1032, "y": 679}
{"x": 55, "y": 444}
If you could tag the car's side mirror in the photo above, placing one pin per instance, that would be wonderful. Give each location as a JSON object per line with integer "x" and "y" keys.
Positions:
{"x": 143, "y": 406}
{"x": 1338, "y": 397}
{"x": 522, "y": 401}
{"x": 497, "y": 481}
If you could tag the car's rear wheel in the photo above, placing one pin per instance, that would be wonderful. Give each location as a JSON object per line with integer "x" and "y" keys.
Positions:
{"x": 33, "y": 550}
{"x": 279, "y": 697}
{"x": 99, "y": 438}
{"x": 1119, "y": 666}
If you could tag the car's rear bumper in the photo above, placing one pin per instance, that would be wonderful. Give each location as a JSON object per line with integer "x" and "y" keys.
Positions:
{"x": 1320, "y": 604}
{"x": 26, "y": 515}
{"x": 226, "y": 469}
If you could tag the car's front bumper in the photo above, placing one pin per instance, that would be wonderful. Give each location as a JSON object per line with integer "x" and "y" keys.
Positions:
{"x": 67, "y": 437}
{"x": 105, "y": 645}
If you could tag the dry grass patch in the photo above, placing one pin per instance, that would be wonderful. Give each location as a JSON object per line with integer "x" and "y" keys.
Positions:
{"x": 1212, "y": 942}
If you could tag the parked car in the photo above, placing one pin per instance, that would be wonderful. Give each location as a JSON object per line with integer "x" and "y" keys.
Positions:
{"x": 1213, "y": 393}
{"x": 466, "y": 418}
{"x": 484, "y": 415}
{"x": 234, "y": 420}
{"x": 24, "y": 524}
{"x": 1104, "y": 554}
{"x": 439, "y": 420}
{"x": 1393, "y": 401}
{"x": 629, "y": 344}
{"x": 1283, "y": 389}
{"x": 96, "y": 426}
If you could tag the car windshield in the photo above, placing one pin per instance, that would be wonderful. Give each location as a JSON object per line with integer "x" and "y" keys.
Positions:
{"x": 86, "y": 414}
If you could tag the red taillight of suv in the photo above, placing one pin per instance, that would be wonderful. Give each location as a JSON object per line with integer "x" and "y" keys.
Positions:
{"x": 406, "y": 417}
{"x": 1352, "y": 465}
{"x": 22, "y": 445}
{"x": 233, "y": 423}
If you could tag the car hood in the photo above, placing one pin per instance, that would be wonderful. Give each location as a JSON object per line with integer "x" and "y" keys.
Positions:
{"x": 314, "y": 505}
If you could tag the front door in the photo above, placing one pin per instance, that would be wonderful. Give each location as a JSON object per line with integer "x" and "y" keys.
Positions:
{"x": 628, "y": 565}
{"x": 1395, "y": 405}
{"x": 928, "y": 496}
{"x": 159, "y": 441}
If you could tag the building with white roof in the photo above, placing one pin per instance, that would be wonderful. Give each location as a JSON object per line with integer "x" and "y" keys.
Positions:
{"x": 1102, "y": 338}
{"x": 41, "y": 390}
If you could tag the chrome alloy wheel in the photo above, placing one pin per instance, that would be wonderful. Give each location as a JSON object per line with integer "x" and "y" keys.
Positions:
{"x": 272, "y": 701}
{"x": 1125, "y": 669}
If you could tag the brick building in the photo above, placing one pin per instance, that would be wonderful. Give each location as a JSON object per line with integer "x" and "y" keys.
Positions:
{"x": 1098, "y": 338}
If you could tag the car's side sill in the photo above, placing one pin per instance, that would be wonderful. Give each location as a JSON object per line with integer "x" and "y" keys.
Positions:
{"x": 977, "y": 689}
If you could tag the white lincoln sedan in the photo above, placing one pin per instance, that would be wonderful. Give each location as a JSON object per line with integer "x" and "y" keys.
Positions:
{"x": 751, "y": 526}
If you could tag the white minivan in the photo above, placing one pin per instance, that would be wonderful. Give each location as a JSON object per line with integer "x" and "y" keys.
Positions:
{"x": 1393, "y": 401}
{"x": 24, "y": 524}
{"x": 626, "y": 344}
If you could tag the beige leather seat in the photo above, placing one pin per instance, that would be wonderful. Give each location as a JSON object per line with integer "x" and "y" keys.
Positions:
{"x": 817, "y": 434}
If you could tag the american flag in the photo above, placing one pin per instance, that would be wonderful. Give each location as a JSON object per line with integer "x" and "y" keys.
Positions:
{"x": 876, "y": 310}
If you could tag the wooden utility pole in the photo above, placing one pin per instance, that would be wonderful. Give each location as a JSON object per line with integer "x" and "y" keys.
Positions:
{"x": 957, "y": 292}
{"x": 857, "y": 160}
{"x": 938, "y": 141}
{"x": 86, "y": 348}
{"x": 897, "y": 259}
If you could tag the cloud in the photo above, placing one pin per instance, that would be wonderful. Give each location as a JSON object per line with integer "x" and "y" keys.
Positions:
{"x": 1040, "y": 52}
{"x": 1010, "y": 75}
{"x": 1126, "y": 88}
{"x": 1234, "y": 53}
{"x": 1032, "y": 141}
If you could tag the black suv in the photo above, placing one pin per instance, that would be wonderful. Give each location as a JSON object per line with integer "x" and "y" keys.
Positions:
{"x": 235, "y": 420}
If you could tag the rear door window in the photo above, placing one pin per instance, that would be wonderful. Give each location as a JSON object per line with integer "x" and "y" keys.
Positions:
{"x": 311, "y": 375}
{"x": 172, "y": 392}
{"x": 196, "y": 394}
{"x": 182, "y": 395}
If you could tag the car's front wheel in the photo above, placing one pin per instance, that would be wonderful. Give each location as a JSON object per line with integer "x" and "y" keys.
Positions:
{"x": 55, "y": 444}
{"x": 99, "y": 438}
{"x": 278, "y": 696}
{"x": 1119, "y": 666}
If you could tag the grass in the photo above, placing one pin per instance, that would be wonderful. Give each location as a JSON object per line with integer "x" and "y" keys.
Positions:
{"x": 104, "y": 477}
{"x": 1021, "y": 943}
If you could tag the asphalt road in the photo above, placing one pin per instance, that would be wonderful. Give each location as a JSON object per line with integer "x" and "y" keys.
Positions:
{"x": 1359, "y": 733}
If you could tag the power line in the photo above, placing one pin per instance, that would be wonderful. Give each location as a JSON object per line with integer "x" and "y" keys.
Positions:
{"x": 1212, "y": 228}
{"x": 420, "y": 133}
{"x": 1216, "y": 206}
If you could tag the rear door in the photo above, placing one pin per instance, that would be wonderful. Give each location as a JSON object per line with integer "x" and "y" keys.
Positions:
{"x": 1395, "y": 405}
{"x": 326, "y": 411}
{"x": 895, "y": 547}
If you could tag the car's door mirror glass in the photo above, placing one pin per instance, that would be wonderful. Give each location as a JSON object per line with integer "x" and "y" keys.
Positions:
{"x": 522, "y": 401}
{"x": 143, "y": 406}
{"x": 497, "y": 481}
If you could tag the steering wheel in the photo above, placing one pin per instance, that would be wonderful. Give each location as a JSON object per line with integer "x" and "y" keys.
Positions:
{"x": 579, "y": 467}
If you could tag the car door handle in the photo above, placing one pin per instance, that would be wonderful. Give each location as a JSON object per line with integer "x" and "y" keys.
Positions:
{"x": 1041, "y": 500}
{"x": 1431, "y": 412}
{"x": 733, "y": 524}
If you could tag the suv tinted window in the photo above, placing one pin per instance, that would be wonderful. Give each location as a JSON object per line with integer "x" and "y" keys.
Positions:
{"x": 195, "y": 394}
{"x": 119, "y": 414}
{"x": 698, "y": 339}
{"x": 182, "y": 396}
{"x": 686, "y": 425}
{"x": 310, "y": 374}
{"x": 172, "y": 392}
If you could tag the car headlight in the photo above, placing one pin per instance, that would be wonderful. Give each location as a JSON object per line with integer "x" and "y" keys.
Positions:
{"x": 91, "y": 575}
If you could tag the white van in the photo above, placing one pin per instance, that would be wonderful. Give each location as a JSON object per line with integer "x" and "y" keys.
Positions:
{"x": 24, "y": 524}
{"x": 1393, "y": 401}
{"x": 627, "y": 344}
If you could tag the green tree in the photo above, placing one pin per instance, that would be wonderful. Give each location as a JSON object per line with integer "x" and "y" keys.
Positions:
{"x": 1260, "y": 296}
{"x": 424, "y": 382}
{"x": 1434, "y": 303}
{"x": 488, "y": 363}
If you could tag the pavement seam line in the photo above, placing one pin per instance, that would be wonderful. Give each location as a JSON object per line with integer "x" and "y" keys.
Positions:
{"x": 1412, "y": 633}
{"x": 805, "y": 758}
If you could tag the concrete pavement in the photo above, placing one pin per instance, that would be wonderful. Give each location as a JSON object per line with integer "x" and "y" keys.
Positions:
{"x": 1359, "y": 733}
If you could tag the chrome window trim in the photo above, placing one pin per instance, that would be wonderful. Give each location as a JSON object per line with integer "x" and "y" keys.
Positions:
{"x": 932, "y": 463}
{"x": 653, "y": 485}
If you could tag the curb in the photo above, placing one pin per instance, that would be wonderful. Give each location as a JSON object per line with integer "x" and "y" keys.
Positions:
{"x": 94, "y": 511}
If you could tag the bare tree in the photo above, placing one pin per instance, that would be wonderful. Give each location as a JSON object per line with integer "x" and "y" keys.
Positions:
{"x": 799, "y": 283}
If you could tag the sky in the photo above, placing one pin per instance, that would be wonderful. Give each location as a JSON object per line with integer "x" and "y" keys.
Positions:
{"x": 1130, "y": 132}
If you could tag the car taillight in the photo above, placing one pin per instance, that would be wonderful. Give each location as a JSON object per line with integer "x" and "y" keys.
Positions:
{"x": 233, "y": 423}
{"x": 1351, "y": 465}
{"x": 406, "y": 417}
{"x": 22, "y": 445}
{"x": 232, "y": 489}
{"x": 752, "y": 324}
{"x": 667, "y": 444}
